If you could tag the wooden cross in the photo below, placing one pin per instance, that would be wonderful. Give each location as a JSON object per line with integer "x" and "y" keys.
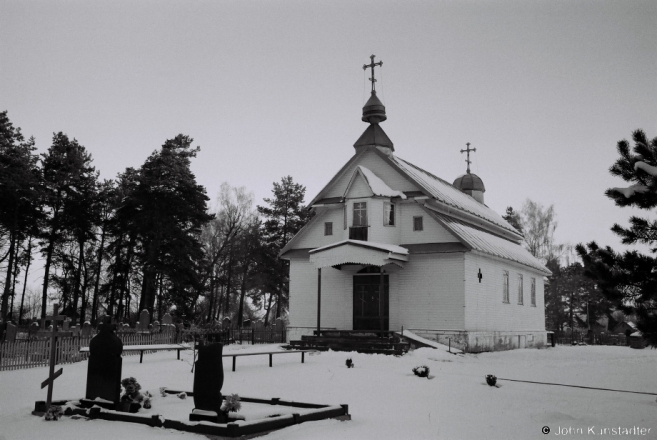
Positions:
{"x": 468, "y": 150}
{"x": 372, "y": 65}
{"x": 53, "y": 353}
{"x": 479, "y": 275}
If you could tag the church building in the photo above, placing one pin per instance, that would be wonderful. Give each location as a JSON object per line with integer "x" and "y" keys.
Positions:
{"x": 392, "y": 246}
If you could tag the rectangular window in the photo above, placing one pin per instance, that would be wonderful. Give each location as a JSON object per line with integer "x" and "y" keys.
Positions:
{"x": 360, "y": 214}
{"x": 328, "y": 228}
{"x": 505, "y": 286}
{"x": 388, "y": 214}
{"x": 417, "y": 224}
{"x": 344, "y": 214}
{"x": 534, "y": 292}
{"x": 520, "y": 292}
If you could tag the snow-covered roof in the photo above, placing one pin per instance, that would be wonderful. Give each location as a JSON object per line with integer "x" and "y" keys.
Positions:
{"x": 358, "y": 252}
{"x": 448, "y": 194}
{"x": 488, "y": 243}
{"x": 378, "y": 186}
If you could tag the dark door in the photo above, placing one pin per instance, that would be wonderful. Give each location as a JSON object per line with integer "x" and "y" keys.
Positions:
{"x": 366, "y": 302}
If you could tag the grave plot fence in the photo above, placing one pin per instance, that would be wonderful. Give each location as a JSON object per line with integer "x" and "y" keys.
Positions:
{"x": 31, "y": 353}
{"x": 244, "y": 335}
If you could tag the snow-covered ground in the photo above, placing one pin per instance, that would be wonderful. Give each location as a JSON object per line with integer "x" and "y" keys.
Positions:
{"x": 385, "y": 399}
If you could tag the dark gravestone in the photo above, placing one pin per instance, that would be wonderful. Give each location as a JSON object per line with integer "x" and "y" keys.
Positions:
{"x": 209, "y": 378}
{"x": 11, "y": 332}
{"x": 104, "y": 370}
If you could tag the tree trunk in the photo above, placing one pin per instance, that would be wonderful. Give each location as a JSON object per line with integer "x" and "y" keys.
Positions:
{"x": 228, "y": 281}
{"x": 13, "y": 286}
{"x": 76, "y": 292}
{"x": 8, "y": 283}
{"x": 211, "y": 296}
{"x": 240, "y": 312}
{"x": 94, "y": 302}
{"x": 268, "y": 309}
{"x": 83, "y": 291}
{"x": 27, "y": 270}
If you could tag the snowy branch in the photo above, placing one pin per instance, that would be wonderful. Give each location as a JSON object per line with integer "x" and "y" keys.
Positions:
{"x": 645, "y": 167}
{"x": 630, "y": 191}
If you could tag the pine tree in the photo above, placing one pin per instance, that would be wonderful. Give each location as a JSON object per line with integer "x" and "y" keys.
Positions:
{"x": 513, "y": 218}
{"x": 629, "y": 280}
{"x": 284, "y": 217}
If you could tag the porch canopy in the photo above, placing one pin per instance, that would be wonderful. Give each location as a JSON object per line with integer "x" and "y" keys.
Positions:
{"x": 358, "y": 252}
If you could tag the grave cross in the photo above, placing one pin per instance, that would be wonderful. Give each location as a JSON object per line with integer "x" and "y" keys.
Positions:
{"x": 53, "y": 349}
{"x": 372, "y": 65}
{"x": 468, "y": 150}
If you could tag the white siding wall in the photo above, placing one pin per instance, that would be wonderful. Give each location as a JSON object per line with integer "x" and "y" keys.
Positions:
{"x": 430, "y": 292}
{"x": 314, "y": 236}
{"x": 484, "y": 306}
{"x": 374, "y": 163}
{"x": 359, "y": 188}
{"x": 433, "y": 231}
{"x": 337, "y": 296}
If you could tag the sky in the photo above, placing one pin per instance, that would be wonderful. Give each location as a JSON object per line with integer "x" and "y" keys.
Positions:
{"x": 542, "y": 89}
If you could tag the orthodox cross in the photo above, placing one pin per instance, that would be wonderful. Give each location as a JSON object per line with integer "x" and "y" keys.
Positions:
{"x": 468, "y": 150}
{"x": 371, "y": 66}
{"x": 53, "y": 353}
{"x": 480, "y": 275}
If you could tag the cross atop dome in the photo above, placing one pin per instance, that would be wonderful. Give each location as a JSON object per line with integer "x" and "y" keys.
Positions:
{"x": 468, "y": 150}
{"x": 372, "y": 65}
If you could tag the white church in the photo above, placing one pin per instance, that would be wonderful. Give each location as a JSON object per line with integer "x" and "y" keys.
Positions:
{"x": 392, "y": 247}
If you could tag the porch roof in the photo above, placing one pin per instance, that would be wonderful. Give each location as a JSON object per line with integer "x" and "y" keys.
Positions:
{"x": 358, "y": 252}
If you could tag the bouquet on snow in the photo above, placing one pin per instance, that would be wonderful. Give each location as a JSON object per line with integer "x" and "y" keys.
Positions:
{"x": 421, "y": 371}
{"x": 231, "y": 404}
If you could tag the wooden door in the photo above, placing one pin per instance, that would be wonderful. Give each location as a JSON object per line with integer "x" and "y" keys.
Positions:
{"x": 366, "y": 302}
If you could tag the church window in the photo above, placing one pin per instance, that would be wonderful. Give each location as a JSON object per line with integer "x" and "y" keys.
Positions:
{"x": 360, "y": 214}
{"x": 534, "y": 292}
{"x": 328, "y": 228}
{"x": 388, "y": 214}
{"x": 520, "y": 292}
{"x": 344, "y": 214}
{"x": 505, "y": 286}
{"x": 418, "y": 224}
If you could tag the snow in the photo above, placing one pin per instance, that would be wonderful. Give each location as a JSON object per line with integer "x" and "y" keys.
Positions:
{"x": 378, "y": 186}
{"x": 631, "y": 190}
{"x": 371, "y": 244}
{"x": 645, "y": 167}
{"x": 386, "y": 400}
{"x": 430, "y": 343}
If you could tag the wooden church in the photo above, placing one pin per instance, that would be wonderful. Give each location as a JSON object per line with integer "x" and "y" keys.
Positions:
{"x": 393, "y": 246}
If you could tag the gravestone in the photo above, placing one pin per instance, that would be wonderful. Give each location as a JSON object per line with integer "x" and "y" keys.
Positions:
{"x": 11, "y": 332}
{"x": 65, "y": 325}
{"x": 86, "y": 328}
{"x": 104, "y": 369}
{"x": 208, "y": 379}
{"x": 225, "y": 323}
{"x": 247, "y": 323}
{"x": 166, "y": 319}
{"x": 33, "y": 329}
{"x": 259, "y": 325}
{"x": 144, "y": 319}
{"x": 156, "y": 325}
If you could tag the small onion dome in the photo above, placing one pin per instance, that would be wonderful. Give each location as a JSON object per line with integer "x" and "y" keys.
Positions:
{"x": 374, "y": 111}
{"x": 469, "y": 182}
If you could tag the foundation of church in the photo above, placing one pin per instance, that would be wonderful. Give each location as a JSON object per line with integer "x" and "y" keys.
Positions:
{"x": 480, "y": 341}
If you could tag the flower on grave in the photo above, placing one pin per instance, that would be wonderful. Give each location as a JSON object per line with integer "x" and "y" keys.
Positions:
{"x": 349, "y": 363}
{"x": 132, "y": 388}
{"x": 148, "y": 397}
{"x": 54, "y": 412}
{"x": 231, "y": 403}
{"x": 421, "y": 371}
{"x": 182, "y": 395}
{"x": 491, "y": 379}
{"x": 163, "y": 391}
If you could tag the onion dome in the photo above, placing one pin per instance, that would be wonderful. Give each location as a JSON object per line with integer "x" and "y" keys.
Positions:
{"x": 469, "y": 182}
{"x": 374, "y": 111}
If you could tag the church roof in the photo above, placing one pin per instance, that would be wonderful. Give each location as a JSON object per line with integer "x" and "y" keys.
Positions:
{"x": 358, "y": 252}
{"x": 490, "y": 244}
{"x": 378, "y": 186}
{"x": 374, "y": 136}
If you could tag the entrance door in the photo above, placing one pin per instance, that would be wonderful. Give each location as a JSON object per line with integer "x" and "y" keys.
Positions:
{"x": 366, "y": 302}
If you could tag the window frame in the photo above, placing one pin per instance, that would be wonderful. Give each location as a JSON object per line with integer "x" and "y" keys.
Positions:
{"x": 505, "y": 287}
{"x": 353, "y": 220}
{"x": 421, "y": 219}
{"x": 344, "y": 215}
{"x": 386, "y": 214}
{"x": 328, "y": 228}
{"x": 521, "y": 290}
{"x": 533, "y": 292}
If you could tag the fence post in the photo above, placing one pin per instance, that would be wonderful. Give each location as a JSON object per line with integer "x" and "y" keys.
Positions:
{"x": 252, "y": 336}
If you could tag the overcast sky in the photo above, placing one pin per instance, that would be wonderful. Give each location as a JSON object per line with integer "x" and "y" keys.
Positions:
{"x": 542, "y": 89}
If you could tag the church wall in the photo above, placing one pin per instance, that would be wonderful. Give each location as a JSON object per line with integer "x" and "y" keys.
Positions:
{"x": 359, "y": 188}
{"x": 433, "y": 232}
{"x": 374, "y": 163}
{"x": 485, "y": 309}
{"x": 337, "y": 299}
{"x": 430, "y": 292}
{"x": 314, "y": 237}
